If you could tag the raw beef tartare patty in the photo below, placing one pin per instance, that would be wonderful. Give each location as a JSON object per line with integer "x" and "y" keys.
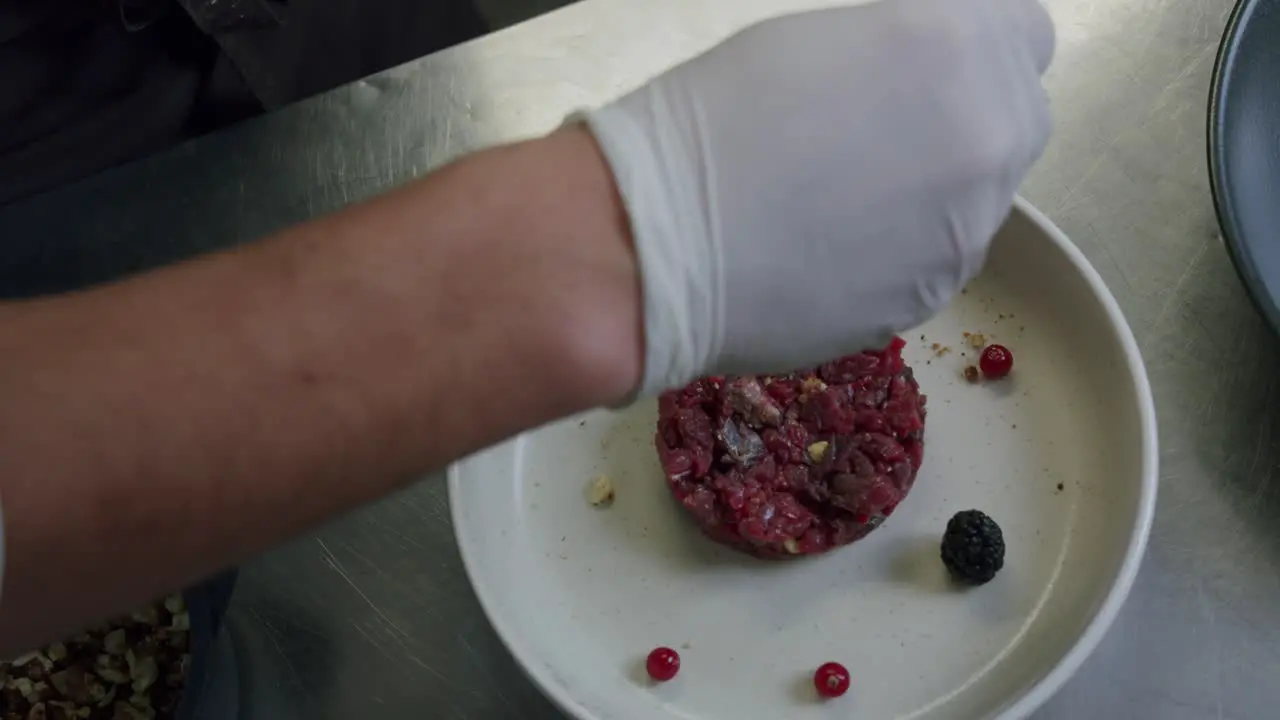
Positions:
{"x": 795, "y": 464}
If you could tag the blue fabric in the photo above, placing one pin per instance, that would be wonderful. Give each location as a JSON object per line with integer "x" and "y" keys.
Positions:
{"x": 80, "y": 91}
{"x": 207, "y": 606}
{"x": 89, "y": 84}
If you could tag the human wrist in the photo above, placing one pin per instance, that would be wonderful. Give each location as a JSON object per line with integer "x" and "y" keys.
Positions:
{"x": 601, "y": 335}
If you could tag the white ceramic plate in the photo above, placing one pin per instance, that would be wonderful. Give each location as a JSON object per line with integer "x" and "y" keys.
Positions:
{"x": 580, "y": 595}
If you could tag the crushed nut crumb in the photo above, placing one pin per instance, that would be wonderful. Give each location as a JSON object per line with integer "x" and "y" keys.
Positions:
{"x": 115, "y": 642}
{"x": 792, "y": 546}
{"x": 812, "y": 385}
{"x": 142, "y": 657}
{"x": 601, "y": 492}
{"x": 818, "y": 450}
{"x": 977, "y": 340}
{"x": 972, "y": 374}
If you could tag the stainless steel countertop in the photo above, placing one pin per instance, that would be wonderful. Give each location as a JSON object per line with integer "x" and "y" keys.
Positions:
{"x": 373, "y": 616}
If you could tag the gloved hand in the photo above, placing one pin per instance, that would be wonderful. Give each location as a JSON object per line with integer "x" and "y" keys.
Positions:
{"x": 823, "y": 180}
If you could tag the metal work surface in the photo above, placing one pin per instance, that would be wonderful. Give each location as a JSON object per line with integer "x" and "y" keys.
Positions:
{"x": 373, "y": 616}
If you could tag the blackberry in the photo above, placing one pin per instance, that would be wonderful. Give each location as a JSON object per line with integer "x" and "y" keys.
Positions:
{"x": 973, "y": 547}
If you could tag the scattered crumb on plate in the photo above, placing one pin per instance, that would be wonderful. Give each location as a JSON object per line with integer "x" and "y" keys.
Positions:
{"x": 972, "y": 374}
{"x": 600, "y": 493}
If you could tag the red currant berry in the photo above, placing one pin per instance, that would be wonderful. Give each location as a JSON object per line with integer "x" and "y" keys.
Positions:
{"x": 996, "y": 361}
{"x": 662, "y": 664}
{"x": 831, "y": 680}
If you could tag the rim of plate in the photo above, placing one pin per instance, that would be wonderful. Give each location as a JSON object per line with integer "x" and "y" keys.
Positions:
{"x": 1106, "y": 613}
{"x": 1222, "y": 181}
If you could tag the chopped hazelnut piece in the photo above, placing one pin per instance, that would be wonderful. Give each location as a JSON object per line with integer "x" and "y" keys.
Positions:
{"x": 601, "y": 492}
{"x": 142, "y": 657}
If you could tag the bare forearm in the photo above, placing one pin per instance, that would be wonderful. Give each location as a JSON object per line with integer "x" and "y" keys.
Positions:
{"x": 157, "y": 430}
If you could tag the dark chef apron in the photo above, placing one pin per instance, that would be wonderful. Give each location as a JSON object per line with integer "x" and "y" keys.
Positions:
{"x": 88, "y": 84}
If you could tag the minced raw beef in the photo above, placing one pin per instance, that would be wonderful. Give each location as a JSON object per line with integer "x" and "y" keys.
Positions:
{"x": 795, "y": 464}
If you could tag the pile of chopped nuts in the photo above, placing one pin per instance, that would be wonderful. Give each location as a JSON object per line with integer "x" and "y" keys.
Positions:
{"x": 131, "y": 669}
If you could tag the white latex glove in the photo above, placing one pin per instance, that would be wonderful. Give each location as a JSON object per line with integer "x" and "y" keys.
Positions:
{"x": 823, "y": 180}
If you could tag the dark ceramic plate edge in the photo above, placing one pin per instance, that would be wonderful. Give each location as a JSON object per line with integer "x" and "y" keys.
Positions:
{"x": 1223, "y": 204}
